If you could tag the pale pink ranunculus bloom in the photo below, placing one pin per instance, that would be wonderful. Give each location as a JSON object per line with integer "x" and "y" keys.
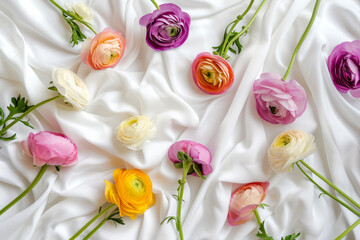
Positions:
{"x": 198, "y": 152}
{"x": 244, "y": 201}
{"x": 104, "y": 50}
{"x": 50, "y": 148}
{"x": 278, "y": 101}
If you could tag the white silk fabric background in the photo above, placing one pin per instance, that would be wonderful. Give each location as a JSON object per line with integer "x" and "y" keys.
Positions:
{"x": 34, "y": 40}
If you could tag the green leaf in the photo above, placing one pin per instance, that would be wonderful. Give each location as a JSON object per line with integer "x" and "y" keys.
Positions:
{"x": 320, "y": 194}
{"x": 191, "y": 170}
{"x": 26, "y": 123}
{"x": 99, "y": 209}
{"x": 261, "y": 234}
{"x": 168, "y": 219}
{"x": 1, "y": 116}
{"x": 58, "y": 167}
{"x": 179, "y": 165}
{"x": 8, "y": 138}
{"x": 180, "y": 155}
{"x": 291, "y": 236}
{"x": 198, "y": 171}
{"x": 117, "y": 220}
{"x": 263, "y": 205}
{"x": 18, "y": 105}
{"x": 76, "y": 36}
{"x": 53, "y": 88}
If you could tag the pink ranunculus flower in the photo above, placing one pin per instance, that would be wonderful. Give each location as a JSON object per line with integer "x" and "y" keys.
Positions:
{"x": 212, "y": 73}
{"x": 244, "y": 201}
{"x": 198, "y": 152}
{"x": 50, "y": 148}
{"x": 278, "y": 101}
{"x": 344, "y": 67}
{"x": 104, "y": 50}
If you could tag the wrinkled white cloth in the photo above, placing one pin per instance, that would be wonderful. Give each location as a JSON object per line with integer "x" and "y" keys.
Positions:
{"x": 34, "y": 39}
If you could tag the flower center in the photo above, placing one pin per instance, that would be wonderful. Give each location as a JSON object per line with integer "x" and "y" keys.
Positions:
{"x": 137, "y": 185}
{"x": 283, "y": 141}
{"x": 273, "y": 110}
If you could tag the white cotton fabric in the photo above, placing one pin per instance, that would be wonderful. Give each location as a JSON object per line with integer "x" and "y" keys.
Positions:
{"x": 34, "y": 39}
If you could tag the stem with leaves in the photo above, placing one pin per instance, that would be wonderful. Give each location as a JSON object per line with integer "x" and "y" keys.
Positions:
{"x": 27, "y": 190}
{"x": 17, "y": 119}
{"x": 312, "y": 19}
{"x": 91, "y": 221}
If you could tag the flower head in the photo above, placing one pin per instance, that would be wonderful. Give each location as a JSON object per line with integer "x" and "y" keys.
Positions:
{"x": 166, "y": 28}
{"x": 288, "y": 148}
{"x": 132, "y": 192}
{"x": 104, "y": 50}
{"x": 198, "y": 152}
{"x": 50, "y": 148}
{"x": 71, "y": 86}
{"x": 82, "y": 11}
{"x": 344, "y": 67}
{"x": 135, "y": 131}
{"x": 277, "y": 101}
{"x": 244, "y": 201}
{"x": 212, "y": 73}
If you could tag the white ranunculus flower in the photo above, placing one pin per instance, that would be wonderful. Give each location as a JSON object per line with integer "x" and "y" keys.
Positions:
{"x": 288, "y": 148}
{"x": 134, "y": 131}
{"x": 82, "y": 10}
{"x": 71, "y": 86}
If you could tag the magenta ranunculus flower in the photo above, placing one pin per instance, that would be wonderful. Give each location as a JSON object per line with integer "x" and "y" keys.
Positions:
{"x": 50, "y": 148}
{"x": 344, "y": 67}
{"x": 278, "y": 101}
{"x": 244, "y": 201}
{"x": 198, "y": 152}
{"x": 166, "y": 28}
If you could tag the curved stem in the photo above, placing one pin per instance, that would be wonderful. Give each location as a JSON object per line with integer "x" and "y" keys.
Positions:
{"x": 27, "y": 190}
{"x": 90, "y": 222}
{"x": 312, "y": 19}
{"x": 244, "y": 29}
{"x": 180, "y": 198}
{"x": 27, "y": 112}
{"x": 348, "y": 230}
{"x": 156, "y": 5}
{"x": 329, "y": 194}
{"x": 73, "y": 16}
{"x": 258, "y": 219}
{"x": 331, "y": 184}
{"x": 238, "y": 19}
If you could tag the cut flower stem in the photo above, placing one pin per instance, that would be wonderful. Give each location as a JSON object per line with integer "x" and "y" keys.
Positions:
{"x": 90, "y": 222}
{"x": 312, "y": 19}
{"x": 155, "y": 4}
{"x": 27, "y": 190}
{"x": 341, "y": 236}
{"x": 27, "y": 112}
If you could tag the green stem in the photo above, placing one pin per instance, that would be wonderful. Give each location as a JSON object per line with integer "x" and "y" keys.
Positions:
{"x": 27, "y": 190}
{"x": 329, "y": 194}
{"x": 244, "y": 29}
{"x": 180, "y": 198}
{"x": 238, "y": 19}
{"x": 27, "y": 112}
{"x": 330, "y": 184}
{"x": 348, "y": 230}
{"x": 90, "y": 222}
{"x": 312, "y": 19}
{"x": 258, "y": 219}
{"x": 96, "y": 228}
{"x": 156, "y": 5}
{"x": 73, "y": 16}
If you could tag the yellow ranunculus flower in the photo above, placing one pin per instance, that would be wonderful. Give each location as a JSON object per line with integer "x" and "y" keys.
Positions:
{"x": 288, "y": 148}
{"x": 132, "y": 192}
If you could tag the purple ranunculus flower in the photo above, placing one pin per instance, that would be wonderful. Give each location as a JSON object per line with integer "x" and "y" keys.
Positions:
{"x": 166, "y": 28}
{"x": 278, "y": 101}
{"x": 198, "y": 152}
{"x": 344, "y": 67}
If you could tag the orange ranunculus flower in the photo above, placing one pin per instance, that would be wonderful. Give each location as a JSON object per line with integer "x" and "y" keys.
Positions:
{"x": 212, "y": 73}
{"x": 104, "y": 50}
{"x": 132, "y": 192}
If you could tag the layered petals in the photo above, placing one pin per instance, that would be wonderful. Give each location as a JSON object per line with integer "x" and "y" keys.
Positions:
{"x": 212, "y": 73}
{"x": 344, "y": 67}
{"x": 278, "y": 101}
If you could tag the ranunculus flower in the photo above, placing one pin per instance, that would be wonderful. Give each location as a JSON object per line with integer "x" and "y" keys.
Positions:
{"x": 244, "y": 201}
{"x": 132, "y": 192}
{"x": 71, "y": 86}
{"x": 198, "y": 152}
{"x": 344, "y": 67}
{"x": 50, "y": 148}
{"x": 288, "y": 148}
{"x": 135, "y": 131}
{"x": 278, "y": 101}
{"x": 166, "y": 28}
{"x": 104, "y": 50}
{"x": 212, "y": 73}
{"x": 82, "y": 10}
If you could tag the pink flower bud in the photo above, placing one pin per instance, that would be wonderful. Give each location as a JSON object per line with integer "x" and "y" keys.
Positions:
{"x": 50, "y": 148}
